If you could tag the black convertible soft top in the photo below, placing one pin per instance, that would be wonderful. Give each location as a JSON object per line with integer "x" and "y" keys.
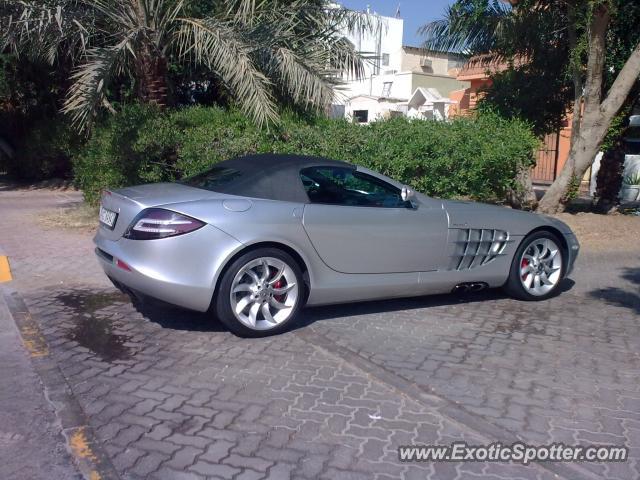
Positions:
{"x": 270, "y": 176}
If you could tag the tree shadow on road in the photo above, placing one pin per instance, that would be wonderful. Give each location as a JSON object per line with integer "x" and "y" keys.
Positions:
{"x": 619, "y": 296}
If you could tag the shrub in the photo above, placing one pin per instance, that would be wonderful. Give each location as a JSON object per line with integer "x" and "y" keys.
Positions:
{"x": 467, "y": 157}
{"x": 109, "y": 160}
{"x": 44, "y": 152}
{"x": 186, "y": 141}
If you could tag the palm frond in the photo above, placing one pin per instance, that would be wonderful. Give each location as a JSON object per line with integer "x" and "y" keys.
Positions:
{"x": 259, "y": 49}
{"x": 299, "y": 80}
{"x": 465, "y": 28}
{"x": 45, "y": 29}
{"x": 354, "y": 21}
{"x": 243, "y": 10}
{"x": 167, "y": 19}
{"x": 218, "y": 46}
{"x": 344, "y": 58}
{"x": 90, "y": 81}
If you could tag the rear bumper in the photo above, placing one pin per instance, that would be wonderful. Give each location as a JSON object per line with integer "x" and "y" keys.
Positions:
{"x": 181, "y": 270}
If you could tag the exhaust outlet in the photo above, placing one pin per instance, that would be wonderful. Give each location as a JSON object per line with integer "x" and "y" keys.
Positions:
{"x": 477, "y": 287}
{"x": 470, "y": 287}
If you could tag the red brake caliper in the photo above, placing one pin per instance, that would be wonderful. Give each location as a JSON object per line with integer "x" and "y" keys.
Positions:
{"x": 524, "y": 264}
{"x": 278, "y": 284}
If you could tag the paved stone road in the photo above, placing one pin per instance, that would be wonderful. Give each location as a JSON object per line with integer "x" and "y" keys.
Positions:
{"x": 172, "y": 395}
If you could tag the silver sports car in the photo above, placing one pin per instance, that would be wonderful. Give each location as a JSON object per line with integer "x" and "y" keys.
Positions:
{"x": 255, "y": 238}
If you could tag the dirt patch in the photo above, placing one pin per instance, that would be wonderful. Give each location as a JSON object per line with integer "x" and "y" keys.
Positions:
{"x": 605, "y": 232}
{"x": 80, "y": 217}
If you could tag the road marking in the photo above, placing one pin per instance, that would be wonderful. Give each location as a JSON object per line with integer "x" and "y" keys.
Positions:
{"x": 5, "y": 269}
{"x": 32, "y": 337}
{"x": 80, "y": 445}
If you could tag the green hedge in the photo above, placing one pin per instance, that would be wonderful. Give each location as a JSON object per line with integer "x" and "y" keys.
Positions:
{"x": 468, "y": 157}
{"x": 44, "y": 152}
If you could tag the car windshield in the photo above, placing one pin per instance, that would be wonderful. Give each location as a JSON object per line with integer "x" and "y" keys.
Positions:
{"x": 212, "y": 179}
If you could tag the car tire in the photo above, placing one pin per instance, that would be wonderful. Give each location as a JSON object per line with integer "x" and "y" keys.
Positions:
{"x": 532, "y": 268}
{"x": 252, "y": 285}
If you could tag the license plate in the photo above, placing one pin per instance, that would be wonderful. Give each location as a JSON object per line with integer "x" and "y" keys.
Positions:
{"x": 107, "y": 217}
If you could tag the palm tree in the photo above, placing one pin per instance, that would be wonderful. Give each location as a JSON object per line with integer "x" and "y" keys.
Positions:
{"x": 260, "y": 50}
{"x": 467, "y": 27}
{"x": 576, "y": 32}
{"x": 526, "y": 45}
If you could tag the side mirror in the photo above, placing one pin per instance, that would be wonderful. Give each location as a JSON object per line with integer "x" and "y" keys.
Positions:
{"x": 407, "y": 194}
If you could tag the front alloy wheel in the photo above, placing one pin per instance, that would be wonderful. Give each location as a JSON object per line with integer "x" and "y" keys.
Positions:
{"x": 537, "y": 268}
{"x": 540, "y": 266}
{"x": 260, "y": 293}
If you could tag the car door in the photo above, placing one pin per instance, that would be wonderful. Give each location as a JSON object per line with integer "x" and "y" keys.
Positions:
{"x": 359, "y": 223}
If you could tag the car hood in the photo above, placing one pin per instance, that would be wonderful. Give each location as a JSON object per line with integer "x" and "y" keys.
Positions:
{"x": 464, "y": 214}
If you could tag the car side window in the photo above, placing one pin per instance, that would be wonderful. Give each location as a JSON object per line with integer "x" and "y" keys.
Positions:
{"x": 348, "y": 187}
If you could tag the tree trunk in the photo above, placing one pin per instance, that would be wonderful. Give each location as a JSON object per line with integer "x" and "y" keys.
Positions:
{"x": 152, "y": 79}
{"x": 525, "y": 197}
{"x": 597, "y": 116}
{"x": 151, "y": 66}
{"x": 576, "y": 74}
{"x": 580, "y": 158}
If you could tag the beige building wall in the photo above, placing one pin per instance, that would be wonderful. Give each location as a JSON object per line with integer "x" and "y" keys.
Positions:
{"x": 445, "y": 85}
{"x": 413, "y": 60}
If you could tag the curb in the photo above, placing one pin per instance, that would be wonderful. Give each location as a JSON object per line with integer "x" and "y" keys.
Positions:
{"x": 81, "y": 440}
{"x": 5, "y": 269}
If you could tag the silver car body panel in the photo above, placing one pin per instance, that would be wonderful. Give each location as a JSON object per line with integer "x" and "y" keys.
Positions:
{"x": 350, "y": 253}
{"x": 360, "y": 240}
{"x": 177, "y": 270}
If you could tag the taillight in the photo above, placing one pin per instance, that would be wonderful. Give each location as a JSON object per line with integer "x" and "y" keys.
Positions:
{"x": 155, "y": 223}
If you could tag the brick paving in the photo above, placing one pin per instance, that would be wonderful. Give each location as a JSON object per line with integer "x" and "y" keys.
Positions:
{"x": 172, "y": 395}
{"x": 565, "y": 370}
{"x": 184, "y": 396}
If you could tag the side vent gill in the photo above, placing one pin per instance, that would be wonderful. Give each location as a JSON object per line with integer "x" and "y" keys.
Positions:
{"x": 474, "y": 247}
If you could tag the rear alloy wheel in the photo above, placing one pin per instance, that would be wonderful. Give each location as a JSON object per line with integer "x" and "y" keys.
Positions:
{"x": 260, "y": 293}
{"x": 537, "y": 268}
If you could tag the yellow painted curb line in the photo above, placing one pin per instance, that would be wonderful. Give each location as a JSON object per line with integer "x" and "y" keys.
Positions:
{"x": 5, "y": 270}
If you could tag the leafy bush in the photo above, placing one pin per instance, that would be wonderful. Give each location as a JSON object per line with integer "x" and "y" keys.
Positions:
{"x": 467, "y": 157}
{"x": 35, "y": 141}
{"x": 632, "y": 179}
{"x": 109, "y": 159}
{"x": 44, "y": 152}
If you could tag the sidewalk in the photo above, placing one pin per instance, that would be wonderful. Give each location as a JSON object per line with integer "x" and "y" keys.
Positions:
{"x": 31, "y": 444}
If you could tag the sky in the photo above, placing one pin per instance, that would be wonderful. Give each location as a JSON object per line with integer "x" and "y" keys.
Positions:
{"x": 414, "y": 12}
